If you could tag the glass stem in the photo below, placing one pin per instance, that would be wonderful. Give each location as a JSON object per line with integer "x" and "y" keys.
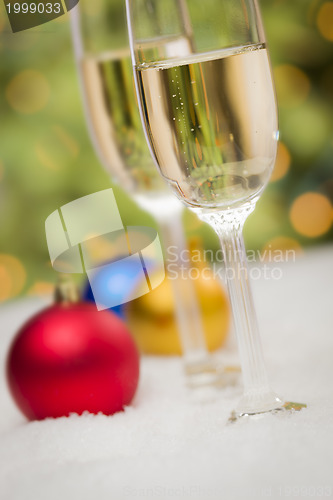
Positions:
{"x": 246, "y": 325}
{"x": 228, "y": 225}
{"x": 187, "y": 309}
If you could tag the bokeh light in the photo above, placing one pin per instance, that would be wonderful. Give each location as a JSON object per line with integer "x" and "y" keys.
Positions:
{"x": 56, "y": 148}
{"x": 283, "y": 244}
{"x": 311, "y": 214}
{"x": 12, "y": 276}
{"x": 292, "y": 85}
{"x": 41, "y": 288}
{"x": 325, "y": 20}
{"x": 282, "y": 164}
{"x": 28, "y": 92}
{"x": 100, "y": 249}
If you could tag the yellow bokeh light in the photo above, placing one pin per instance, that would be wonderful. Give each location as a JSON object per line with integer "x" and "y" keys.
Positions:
{"x": 67, "y": 140}
{"x": 101, "y": 250}
{"x": 28, "y": 92}
{"x": 12, "y": 276}
{"x": 292, "y": 85}
{"x": 45, "y": 158}
{"x": 311, "y": 214}
{"x": 6, "y": 284}
{"x": 41, "y": 288}
{"x": 56, "y": 148}
{"x": 282, "y": 163}
{"x": 281, "y": 244}
{"x": 325, "y": 20}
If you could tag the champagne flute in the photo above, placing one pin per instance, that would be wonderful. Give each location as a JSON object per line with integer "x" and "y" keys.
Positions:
{"x": 210, "y": 118}
{"x": 104, "y": 65}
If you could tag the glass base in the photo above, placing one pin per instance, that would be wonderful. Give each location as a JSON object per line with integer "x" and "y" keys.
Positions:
{"x": 211, "y": 373}
{"x": 289, "y": 407}
{"x": 258, "y": 402}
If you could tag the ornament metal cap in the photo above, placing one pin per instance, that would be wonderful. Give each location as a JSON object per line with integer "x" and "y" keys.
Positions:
{"x": 66, "y": 291}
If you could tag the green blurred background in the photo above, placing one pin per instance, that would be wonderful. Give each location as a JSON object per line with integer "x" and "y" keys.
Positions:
{"x": 46, "y": 158}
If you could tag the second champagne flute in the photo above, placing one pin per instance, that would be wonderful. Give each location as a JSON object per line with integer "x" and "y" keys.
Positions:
{"x": 104, "y": 64}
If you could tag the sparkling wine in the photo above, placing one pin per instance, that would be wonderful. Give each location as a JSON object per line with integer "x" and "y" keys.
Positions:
{"x": 115, "y": 124}
{"x": 211, "y": 122}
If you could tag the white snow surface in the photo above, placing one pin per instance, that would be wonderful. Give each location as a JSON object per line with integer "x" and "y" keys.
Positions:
{"x": 168, "y": 444}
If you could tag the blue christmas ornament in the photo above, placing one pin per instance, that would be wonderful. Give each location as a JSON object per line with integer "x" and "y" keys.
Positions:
{"x": 113, "y": 283}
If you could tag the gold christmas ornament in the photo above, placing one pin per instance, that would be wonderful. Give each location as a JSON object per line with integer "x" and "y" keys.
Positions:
{"x": 151, "y": 317}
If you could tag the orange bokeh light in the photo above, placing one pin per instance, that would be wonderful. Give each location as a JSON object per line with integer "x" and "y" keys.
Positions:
{"x": 28, "y": 92}
{"x": 41, "y": 288}
{"x": 56, "y": 148}
{"x": 325, "y": 20}
{"x": 292, "y": 85}
{"x": 12, "y": 276}
{"x": 284, "y": 244}
{"x": 311, "y": 214}
{"x": 282, "y": 163}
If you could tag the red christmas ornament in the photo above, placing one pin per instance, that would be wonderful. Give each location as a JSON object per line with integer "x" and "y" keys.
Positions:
{"x": 72, "y": 358}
